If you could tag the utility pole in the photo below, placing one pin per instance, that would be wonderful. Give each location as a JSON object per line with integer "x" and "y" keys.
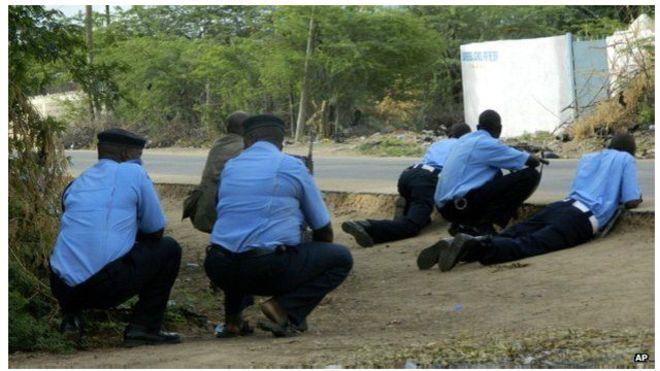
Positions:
{"x": 302, "y": 110}
{"x": 107, "y": 15}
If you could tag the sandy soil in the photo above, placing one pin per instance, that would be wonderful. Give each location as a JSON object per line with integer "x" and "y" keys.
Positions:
{"x": 598, "y": 297}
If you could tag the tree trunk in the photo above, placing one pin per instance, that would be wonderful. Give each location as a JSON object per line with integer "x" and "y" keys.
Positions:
{"x": 302, "y": 110}
{"x": 90, "y": 54}
{"x": 107, "y": 15}
{"x": 292, "y": 118}
{"x": 207, "y": 106}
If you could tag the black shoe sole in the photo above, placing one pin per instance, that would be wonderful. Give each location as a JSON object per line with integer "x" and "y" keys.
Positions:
{"x": 361, "y": 236}
{"x": 449, "y": 257}
{"x": 430, "y": 255}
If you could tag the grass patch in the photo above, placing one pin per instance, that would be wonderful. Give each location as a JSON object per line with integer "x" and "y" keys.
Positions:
{"x": 548, "y": 348}
{"x": 536, "y": 137}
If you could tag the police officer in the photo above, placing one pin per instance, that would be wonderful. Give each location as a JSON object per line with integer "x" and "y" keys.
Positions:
{"x": 602, "y": 182}
{"x": 200, "y": 205}
{"x": 416, "y": 185}
{"x": 472, "y": 193}
{"x": 264, "y": 199}
{"x": 111, "y": 246}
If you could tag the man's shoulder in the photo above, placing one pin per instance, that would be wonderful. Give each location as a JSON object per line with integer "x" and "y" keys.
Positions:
{"x": 292, "y": 162}
{"x": 230, "y": 141}
{"x": 131, "y": 170}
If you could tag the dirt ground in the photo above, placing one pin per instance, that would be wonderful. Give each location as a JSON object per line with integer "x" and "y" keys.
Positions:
{"x": 590, "y": 306}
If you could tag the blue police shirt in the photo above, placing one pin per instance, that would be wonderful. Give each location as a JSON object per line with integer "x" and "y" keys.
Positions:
{"x": 474, "y": 160}
{"x": 603, "y": 180}
{"x": 437, "y": 153}
{"x": 103, "y": 210}
{"x": 264, "y": 198}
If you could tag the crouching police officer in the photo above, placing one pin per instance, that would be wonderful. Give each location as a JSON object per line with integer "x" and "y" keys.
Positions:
{"x": 111, "y": 246}
{"x": 472, "y": 192}
{"x": 264, "y": 198}
{"x": 416, "y": 185}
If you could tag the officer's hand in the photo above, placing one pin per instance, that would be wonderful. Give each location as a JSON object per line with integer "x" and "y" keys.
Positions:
{"x": 534, "y": 161}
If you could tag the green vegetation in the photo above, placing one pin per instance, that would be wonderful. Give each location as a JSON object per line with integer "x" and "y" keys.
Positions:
{"x": 536, "y": 137}
{"x": 177, "y": 71}
{"x": 174, "y": 72}
{"x": 546, "y": 348}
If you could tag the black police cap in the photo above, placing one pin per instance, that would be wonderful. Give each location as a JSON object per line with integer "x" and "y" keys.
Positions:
{"x": 262, "y": 121}
{"x": 121, "y": 136}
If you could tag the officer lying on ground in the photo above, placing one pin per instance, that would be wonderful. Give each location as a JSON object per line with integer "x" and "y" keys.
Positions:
{"x": 416, "y": 185}
{"x": 111, "y": 246}
{"x": 472, "y": 193}
{"x": 256, "y": 248}
{"x": 602, "y": 181}
{"x": 200, "y": 204}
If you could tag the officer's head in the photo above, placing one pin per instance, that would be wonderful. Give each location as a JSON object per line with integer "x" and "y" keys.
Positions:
{"x": 624, "y": 142}
{"x": 490, "y": 121}
{"x": 234, "y": 122}
{"x": 120, "y": 145}
{"x": 263, "y": 127}
{"x": 458, "y": 130}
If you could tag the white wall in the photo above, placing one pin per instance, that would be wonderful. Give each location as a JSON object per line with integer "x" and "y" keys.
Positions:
{"x": 528, "y": 82}
{"x": 54, "y": 104}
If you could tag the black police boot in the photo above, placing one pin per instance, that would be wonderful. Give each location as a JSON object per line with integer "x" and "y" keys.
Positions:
{"x": 136, "y": 335}
{"x": 461, "y": 246}
{"x": 278, "y": 321}
{"x": 430, "y": 255}
{"x": 70, "y": 326}
{"x": 358, "y": 229}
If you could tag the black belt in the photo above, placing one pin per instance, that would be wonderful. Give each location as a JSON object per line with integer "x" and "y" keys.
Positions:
{"x": 246, "y": 254}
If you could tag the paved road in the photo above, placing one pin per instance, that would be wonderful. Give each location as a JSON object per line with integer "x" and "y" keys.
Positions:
{"x": 364, "y": 174}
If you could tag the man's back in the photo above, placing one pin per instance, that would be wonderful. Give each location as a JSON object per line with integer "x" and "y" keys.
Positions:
{"x": 474, "y": 160}
{"x": 603, "y": 180}
{"x": 224, "y": 149}
{"x": 201, "y": 203}
{"x": 436, "y": 155}
{"x": 103, "y": 210}
{"x": 264, "y": 198}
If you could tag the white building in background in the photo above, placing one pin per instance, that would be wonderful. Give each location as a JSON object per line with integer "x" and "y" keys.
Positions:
{"x": 55, "y": 104}
{"x": 544, "y": 83}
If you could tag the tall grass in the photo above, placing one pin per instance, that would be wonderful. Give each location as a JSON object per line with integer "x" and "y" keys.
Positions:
{"x": 37, "y": 175}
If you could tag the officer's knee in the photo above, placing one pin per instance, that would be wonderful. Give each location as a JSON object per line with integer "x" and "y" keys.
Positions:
{"x": 171, "y": 248}
{"x": 532, "y": 174}
{"x": 344, "y": 258}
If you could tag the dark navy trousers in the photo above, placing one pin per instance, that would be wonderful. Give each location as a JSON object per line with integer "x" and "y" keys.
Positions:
{"x": 298, "y": 278}
{"x": 417, "y": 186}
{"x": 148, "y": 270}
{"x": 495, "y": 202}
{"x": 557, "y": 226}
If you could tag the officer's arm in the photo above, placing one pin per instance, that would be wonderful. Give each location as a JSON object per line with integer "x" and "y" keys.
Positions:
{"x": 151, "y": 220}
{"x": 631, "y": 196}
{"x": 64, "y": 194}
{"x": 323, "y": 234}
